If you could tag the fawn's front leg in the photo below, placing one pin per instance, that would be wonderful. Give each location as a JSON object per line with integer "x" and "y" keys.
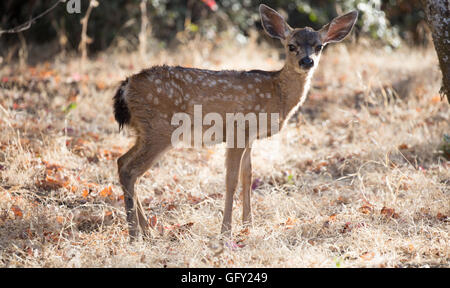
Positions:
{"x": 233, "y": 162}
{"x": 246, "y": 180}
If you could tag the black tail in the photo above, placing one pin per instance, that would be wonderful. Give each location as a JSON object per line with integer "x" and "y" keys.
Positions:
{"x": 121, "y": 111}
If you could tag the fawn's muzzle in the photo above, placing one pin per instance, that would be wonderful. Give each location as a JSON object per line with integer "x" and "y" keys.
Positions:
{"x": 306, "y": 63}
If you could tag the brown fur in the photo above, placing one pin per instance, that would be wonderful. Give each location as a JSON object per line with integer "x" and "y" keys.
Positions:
{"x": 153, "y": 96}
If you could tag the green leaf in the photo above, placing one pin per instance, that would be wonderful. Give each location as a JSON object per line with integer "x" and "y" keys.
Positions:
{"x": 192, "y": 27}
{"x": 70, "y": 107}
{"x": 290, "y": 179}
{"x": 312, "y": 17}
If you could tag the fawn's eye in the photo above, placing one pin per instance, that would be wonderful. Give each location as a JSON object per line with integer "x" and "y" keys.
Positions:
{"x": 292, "y": 47}
{"x": 318, "y": 48}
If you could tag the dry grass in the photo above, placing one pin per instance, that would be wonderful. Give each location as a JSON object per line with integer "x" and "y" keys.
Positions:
{"x": 356, "y": 179}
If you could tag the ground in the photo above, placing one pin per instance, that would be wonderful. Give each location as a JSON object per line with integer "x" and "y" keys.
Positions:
{"x": 359, "y": 178}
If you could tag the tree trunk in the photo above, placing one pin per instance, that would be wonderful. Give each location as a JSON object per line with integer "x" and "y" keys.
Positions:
{"x": 438, "y": 17}
{"x": 143, "y": 33}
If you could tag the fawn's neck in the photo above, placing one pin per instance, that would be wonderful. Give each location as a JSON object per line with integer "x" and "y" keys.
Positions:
{"x": 293, "y": 88}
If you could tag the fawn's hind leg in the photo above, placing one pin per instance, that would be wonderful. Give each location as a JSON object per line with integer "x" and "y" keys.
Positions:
{"x": 125, "y": 159}
{"x": 133, "y": 164}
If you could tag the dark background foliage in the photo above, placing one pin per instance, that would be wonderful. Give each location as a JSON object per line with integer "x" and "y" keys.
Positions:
{"x": 386, "y": 20}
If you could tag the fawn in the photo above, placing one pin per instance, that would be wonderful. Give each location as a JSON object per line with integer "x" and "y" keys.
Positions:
{"x": 146, "y": 102}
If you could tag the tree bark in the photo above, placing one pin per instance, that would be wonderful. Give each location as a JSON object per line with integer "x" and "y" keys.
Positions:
{"x": 438, "y": 17}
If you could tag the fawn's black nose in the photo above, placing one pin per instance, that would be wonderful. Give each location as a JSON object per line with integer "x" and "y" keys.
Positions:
{"x": 306, "y": 62}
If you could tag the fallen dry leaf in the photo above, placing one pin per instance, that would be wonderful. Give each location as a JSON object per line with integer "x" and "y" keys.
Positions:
{"x": 347, "y": 228}
{"x": 17, "y": 211}
{"x": 53, "y": 180}
{"x": 319, "y": 166}
{"x": 367, "y": 256}
{"x": 365, "y": 209}
{"x": 389, "y": 213}
{"x": 153, "y": 221}
{"x": 176, "y": 230}
{"x": 110, "y": 154}
{"x": 85, "y": 193}
{"x": 290, "y": 223}
{"x": 442, "y": 217}
{"x": 436, "y": 99}
{"x": 193, "y": 199}
{"x": 100, "y": 85}
{"x": 403, "y": 146}
{"x": 106, "y": 192}
{"x": 60, "y": 219}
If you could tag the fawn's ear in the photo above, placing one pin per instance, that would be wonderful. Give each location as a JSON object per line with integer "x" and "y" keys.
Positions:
{"x": 338, "y": 28}
{"x": 273, "y": 23}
